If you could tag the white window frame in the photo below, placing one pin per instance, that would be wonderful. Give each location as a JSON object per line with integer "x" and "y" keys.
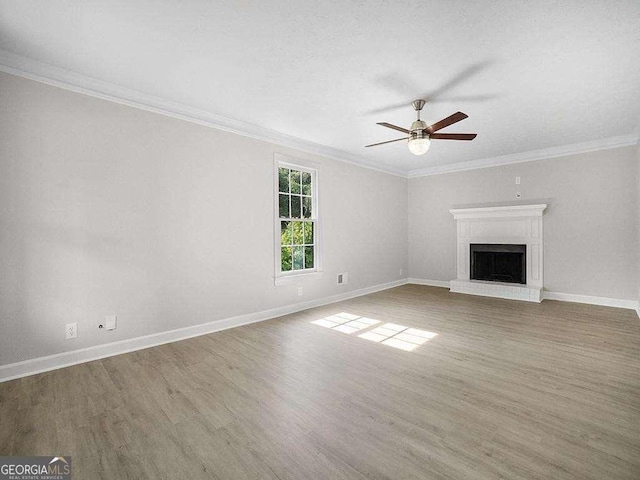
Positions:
{"x": 280, "y": 277}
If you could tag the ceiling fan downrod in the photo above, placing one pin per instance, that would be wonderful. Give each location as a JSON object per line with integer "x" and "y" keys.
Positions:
{"x": 417, "y": 106}
{"x": 418, "y": 125}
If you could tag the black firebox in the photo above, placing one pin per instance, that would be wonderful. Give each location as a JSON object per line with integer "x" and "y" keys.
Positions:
{"x": 498, "y": 262}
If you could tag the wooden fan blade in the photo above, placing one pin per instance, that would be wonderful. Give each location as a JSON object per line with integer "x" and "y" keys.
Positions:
{"x": 395, "y": 127}
{"x": 390, "y": 141}
{"x": 453, "y": 136}
{"x": 445, "y": 122}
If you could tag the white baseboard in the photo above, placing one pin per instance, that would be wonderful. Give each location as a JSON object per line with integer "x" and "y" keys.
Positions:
{"x": 74, "y": 357}
{"x": 430, "y": 283}
{"x": 546, "y": 295}
{"x": 590, "y": 299}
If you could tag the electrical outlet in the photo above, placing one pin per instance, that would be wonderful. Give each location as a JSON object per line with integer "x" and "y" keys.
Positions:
{"x": 401, "y": 272}
{"x": 517, "y": 180}
{"x": 299, "y": 291}
{"x": 71, "y": 331}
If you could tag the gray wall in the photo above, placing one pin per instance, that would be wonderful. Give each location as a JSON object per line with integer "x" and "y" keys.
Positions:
{"x": 107, "y": 209}
{"x": 590, "y": 226}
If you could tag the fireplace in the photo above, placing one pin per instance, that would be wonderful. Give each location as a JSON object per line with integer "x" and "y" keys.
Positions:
{"x": 498, "y": 262}
{"x": 499, "y": 251}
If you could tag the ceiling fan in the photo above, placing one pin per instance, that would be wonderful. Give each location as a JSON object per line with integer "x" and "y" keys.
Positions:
{"x": 420, "y": 135}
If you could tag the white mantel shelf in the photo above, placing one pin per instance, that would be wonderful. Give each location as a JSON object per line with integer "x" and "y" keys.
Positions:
{"x": 499, "y": 212}
{"x": 512, "y": 224}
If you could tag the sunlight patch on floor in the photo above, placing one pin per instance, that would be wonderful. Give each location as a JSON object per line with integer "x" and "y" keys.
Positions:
{"x": 398, "y": 336}
{"x": 346, "y": 322}
{"x": 390, "y": 334}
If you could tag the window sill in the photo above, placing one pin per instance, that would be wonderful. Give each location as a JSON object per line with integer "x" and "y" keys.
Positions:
{"x": 296, "y": 277}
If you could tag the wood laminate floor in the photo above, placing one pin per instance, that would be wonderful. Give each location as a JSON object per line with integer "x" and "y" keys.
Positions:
{"x": 505, "y": 390}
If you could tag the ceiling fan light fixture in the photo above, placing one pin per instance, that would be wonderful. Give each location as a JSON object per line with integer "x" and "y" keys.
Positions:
{"x": 419, "y": 145}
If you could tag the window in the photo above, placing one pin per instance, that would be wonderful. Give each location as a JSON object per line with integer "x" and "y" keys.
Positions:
{"x": 296, "y": 220}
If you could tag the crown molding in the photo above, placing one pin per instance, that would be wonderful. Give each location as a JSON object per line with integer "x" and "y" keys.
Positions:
{"x": 530, "y": 156}
{"x": 58, "y": 77}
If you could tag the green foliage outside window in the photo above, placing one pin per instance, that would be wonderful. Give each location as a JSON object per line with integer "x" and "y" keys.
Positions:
{"x": 297, "y": 229}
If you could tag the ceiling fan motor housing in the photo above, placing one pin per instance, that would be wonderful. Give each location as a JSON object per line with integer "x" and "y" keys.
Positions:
{"x": 418, "y": 126}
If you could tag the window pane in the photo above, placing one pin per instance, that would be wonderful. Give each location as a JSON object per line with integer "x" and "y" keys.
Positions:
{"x": 286, "y": 259}
{"x": 308, "y": 232}
{"x": 283, "y": 179}
{"x": 296, "y": 223}
{"x": 285, "y": 233}
{"x": 306, "y": 207}
{"x": 298, "y": 237}
{"x": 284, "y": 206}
{"x": 308, "y": 257}
{"x": 295, "y": 181}
{"x": 298, "y": 258}
{"x": 306, "y": 183}
{"x": 295, "y": 206}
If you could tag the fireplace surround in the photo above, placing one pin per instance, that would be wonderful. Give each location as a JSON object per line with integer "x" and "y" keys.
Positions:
{"x": 512, "y": 236}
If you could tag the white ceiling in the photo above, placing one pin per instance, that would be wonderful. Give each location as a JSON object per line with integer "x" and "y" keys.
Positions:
{"x": 530, "y": 75}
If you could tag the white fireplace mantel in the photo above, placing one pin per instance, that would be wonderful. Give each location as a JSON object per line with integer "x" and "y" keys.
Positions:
{"x": 499, "y": 212}
{"x": 514, "y": 224}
